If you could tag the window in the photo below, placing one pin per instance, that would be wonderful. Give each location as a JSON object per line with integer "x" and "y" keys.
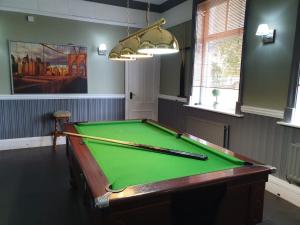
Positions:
{"x": 296, "y": 117}
{"x": 218, "y": 53}
{"x": 298, "y": 97}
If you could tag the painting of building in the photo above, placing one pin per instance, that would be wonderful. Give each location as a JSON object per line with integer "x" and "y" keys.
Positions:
{"x": 38, "y": 68}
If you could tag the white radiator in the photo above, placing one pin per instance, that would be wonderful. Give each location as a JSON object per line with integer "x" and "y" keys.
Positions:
{"x": 293, "y": 164}
{"x": 216, "y": 133}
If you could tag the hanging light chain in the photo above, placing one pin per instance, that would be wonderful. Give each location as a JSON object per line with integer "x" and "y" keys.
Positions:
{"x": 148, "y": 13}
{"x": 128, "y": 21}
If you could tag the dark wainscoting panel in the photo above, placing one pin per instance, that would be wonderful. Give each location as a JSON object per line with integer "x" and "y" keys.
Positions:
{"x": 258, "y": 137}
{"x": 171, "y": 113}
{"x": 33, "y": 118}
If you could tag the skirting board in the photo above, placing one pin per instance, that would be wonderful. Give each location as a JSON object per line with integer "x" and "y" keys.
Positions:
{"x": 31, "y": 142}
{"x": 284, "y": 190}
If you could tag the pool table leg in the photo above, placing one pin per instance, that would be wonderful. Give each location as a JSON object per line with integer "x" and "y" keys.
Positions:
{"x": 256, "y": 202}
{"x": 72, "y": 178}
{"x": 197, "y": 205}
{"x": 244, "y": 203}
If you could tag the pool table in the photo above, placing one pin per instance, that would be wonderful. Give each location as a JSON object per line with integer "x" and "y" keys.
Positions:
{"x": 124, "y": 185}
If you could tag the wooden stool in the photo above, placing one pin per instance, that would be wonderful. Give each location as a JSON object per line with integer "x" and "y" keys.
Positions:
{"x": 59, "y": 116}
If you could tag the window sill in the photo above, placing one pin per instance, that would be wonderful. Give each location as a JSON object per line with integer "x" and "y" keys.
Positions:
{"x": 291, "y": 124}
{"x": 221, "y": 111}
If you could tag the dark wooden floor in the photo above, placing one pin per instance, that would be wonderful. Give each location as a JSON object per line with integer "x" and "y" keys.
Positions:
{"x": 35, "y": 190}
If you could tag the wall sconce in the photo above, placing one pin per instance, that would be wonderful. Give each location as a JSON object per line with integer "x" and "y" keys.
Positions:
{"x": 30, "y": 19}
{"x": 268, "y": 34}
{"x": 102, "y": 49}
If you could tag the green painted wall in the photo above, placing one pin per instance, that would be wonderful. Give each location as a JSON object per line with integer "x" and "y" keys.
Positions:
{"x": 170, "y": 64}
{"x": 104, "y": 76}
{"x": 268, "y": 67}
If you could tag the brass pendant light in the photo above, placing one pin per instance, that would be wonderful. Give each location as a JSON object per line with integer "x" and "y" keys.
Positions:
{"x": 131, "y": 47}
{"x": 158, "y": 41}
{"x": 149, "y": 41}
{"x": 132, "y": 44}
{"x": 115, "y": 54}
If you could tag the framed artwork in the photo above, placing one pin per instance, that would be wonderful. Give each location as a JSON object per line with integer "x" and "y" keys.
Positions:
{"x": 38, "y": 68}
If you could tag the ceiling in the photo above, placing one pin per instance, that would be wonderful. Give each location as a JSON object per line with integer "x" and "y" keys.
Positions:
{"x": 157, "y": 2}
{"x": 156, "y": 5}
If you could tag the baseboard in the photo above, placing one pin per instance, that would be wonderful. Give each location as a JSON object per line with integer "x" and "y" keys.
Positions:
{"x": 284, "y": 190}
{"x": 30, "y": 142}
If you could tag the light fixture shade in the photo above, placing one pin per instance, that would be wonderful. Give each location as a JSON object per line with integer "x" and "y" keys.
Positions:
{"x": 130, "y": 49}
{"x": 158, "y": 41}
{"x": 116, "y": 56}
{"x": 262, "y": 30}
{"x": 102, "y": 49}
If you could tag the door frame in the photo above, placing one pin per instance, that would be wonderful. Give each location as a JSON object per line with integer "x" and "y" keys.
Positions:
{"x": 127, "y": 91}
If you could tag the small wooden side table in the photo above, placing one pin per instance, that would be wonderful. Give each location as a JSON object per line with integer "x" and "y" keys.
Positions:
{"x": 60, "y": 117}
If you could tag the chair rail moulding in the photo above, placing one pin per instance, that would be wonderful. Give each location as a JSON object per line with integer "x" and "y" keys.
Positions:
{"x": 62, "y": 96}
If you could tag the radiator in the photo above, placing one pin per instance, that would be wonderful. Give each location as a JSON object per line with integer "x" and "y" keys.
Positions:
{"x": 293, "y": 164}
{"x": 216, "y": 133}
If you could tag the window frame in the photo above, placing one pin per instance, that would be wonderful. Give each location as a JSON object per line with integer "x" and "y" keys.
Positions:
{"x": 294, "y": 84}
{"x": 244, "y": 46}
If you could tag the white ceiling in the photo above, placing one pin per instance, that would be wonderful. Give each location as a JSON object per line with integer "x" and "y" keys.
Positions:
{"x": 157, "y": 2}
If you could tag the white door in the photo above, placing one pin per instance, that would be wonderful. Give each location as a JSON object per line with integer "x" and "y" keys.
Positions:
{"x": 142, "y": 88}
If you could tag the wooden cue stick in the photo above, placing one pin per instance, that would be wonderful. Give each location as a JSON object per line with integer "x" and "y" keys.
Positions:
{"x": 143, "y": 146}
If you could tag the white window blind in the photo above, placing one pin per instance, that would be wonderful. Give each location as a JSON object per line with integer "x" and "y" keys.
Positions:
{"x": 218, "y": 51}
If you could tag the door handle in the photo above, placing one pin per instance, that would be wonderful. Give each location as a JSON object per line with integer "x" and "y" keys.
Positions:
{"x": 130, "y": 95}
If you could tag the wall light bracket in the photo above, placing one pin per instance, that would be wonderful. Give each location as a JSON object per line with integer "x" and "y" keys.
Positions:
{"x": 267, "y": 34}
{"x": 270, "y": 37}
{"x": 102, "y": 50}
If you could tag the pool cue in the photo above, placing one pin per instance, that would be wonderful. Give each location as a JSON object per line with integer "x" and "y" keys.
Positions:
{"x": 143, "y": 146}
